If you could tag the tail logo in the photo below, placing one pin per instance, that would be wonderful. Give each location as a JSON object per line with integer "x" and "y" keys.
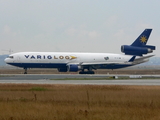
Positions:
{"x": 143, "y": 39}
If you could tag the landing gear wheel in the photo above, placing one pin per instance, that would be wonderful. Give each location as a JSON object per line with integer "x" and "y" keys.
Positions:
{"x": 86, "y": 72}
{"x": 81, "y": 72}
{"x": 25, "y": 70}
{"x": 90, "y": 72}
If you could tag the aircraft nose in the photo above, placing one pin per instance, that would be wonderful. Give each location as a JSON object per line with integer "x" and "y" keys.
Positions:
{"x": 6, "y": 60}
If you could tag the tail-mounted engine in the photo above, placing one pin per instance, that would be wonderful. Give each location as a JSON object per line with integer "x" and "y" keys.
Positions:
{"x": 139, "y": 51}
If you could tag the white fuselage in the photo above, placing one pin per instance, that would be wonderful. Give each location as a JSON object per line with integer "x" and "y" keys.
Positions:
{"x": 62, "y": 59}
{"x": 66, "y": 57}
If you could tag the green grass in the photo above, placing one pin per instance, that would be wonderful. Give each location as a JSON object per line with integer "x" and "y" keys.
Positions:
{"x": 7, "y": 75}
{"x": 105, "y": 78}
{"x": 94, "y": 78}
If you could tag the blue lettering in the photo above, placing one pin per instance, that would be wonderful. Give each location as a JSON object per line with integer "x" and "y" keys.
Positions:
{"x": 38, "y": 56}
{"x": 32, "y": 57}
{"x": 26, "y": 56}
{"x": 49, "y": 57}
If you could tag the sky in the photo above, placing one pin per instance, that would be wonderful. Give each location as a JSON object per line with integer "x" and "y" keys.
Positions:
{"x": 76, "y": 25}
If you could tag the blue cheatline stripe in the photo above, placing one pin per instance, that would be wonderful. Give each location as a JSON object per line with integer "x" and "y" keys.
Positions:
{"x": 39, "y": 65}
{"x": 64, "y": 65}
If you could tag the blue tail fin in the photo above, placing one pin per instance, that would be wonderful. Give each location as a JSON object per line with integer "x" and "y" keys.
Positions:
{"x": 142, "y": 39}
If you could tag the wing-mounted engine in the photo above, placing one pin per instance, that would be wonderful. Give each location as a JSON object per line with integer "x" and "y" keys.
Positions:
{"x": 135, "y": 50}
{"x": 70, "y": 68}
{"x": 74, "y": 67}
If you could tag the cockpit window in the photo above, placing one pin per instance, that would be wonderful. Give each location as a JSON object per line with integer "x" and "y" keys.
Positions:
{"x": 11, "y": 57}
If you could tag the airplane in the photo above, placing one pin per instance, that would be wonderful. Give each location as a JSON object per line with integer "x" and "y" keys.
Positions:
{"x": 85, "y": 63}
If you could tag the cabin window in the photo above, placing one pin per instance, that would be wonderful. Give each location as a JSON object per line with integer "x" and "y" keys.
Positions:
{"x": 117, "y": 57}
{"x": 106, "y": 58}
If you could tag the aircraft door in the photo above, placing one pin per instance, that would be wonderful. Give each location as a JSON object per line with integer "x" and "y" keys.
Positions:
{"x": 18, "y": 59}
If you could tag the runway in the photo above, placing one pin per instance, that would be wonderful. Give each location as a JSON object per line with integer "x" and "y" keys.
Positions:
{"x": 55, "y": 79}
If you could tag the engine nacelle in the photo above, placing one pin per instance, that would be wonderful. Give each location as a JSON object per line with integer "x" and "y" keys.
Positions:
{"x": 133, "y": 50}
{"x": 74, "y": 68}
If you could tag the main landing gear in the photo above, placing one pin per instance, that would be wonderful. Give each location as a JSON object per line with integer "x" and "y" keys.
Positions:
{"x": 86, "y": 72}
{"x": 25, "y": 70}
{"x": 89, "y": 70}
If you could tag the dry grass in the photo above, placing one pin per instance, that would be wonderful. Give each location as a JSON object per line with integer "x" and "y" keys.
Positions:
{"x": 79, "y": 102}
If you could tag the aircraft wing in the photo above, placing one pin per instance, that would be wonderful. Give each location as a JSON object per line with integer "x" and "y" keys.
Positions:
{"x": 105, "y": 63}
{"x": 100, "y": 63}
{"x": 135, "y": 61}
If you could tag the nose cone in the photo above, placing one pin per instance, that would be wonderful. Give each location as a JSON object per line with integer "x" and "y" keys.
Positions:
{"x": 6, "y": 60}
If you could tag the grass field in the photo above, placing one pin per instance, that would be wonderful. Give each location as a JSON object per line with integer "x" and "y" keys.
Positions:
{"x": 79, "y": 102}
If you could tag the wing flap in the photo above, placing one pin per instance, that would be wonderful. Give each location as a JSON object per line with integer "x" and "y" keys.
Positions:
{"x": 105, "y": 63}
{"x": 131, "y": 61}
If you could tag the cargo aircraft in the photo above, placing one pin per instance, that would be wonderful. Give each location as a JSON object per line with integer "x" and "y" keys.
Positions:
{"x": 85, "y": 63}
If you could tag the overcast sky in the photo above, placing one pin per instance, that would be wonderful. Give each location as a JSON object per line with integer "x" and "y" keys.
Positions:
{"x": 76, "y": 25}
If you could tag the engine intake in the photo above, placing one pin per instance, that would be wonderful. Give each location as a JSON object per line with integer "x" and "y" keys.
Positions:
{"x": 74, "y": 68}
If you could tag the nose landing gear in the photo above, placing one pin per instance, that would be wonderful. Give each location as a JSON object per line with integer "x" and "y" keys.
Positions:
{"x": 25, "y": 70}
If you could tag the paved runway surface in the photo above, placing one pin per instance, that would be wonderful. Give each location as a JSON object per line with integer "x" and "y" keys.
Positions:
{"x": 47, "y": 79}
